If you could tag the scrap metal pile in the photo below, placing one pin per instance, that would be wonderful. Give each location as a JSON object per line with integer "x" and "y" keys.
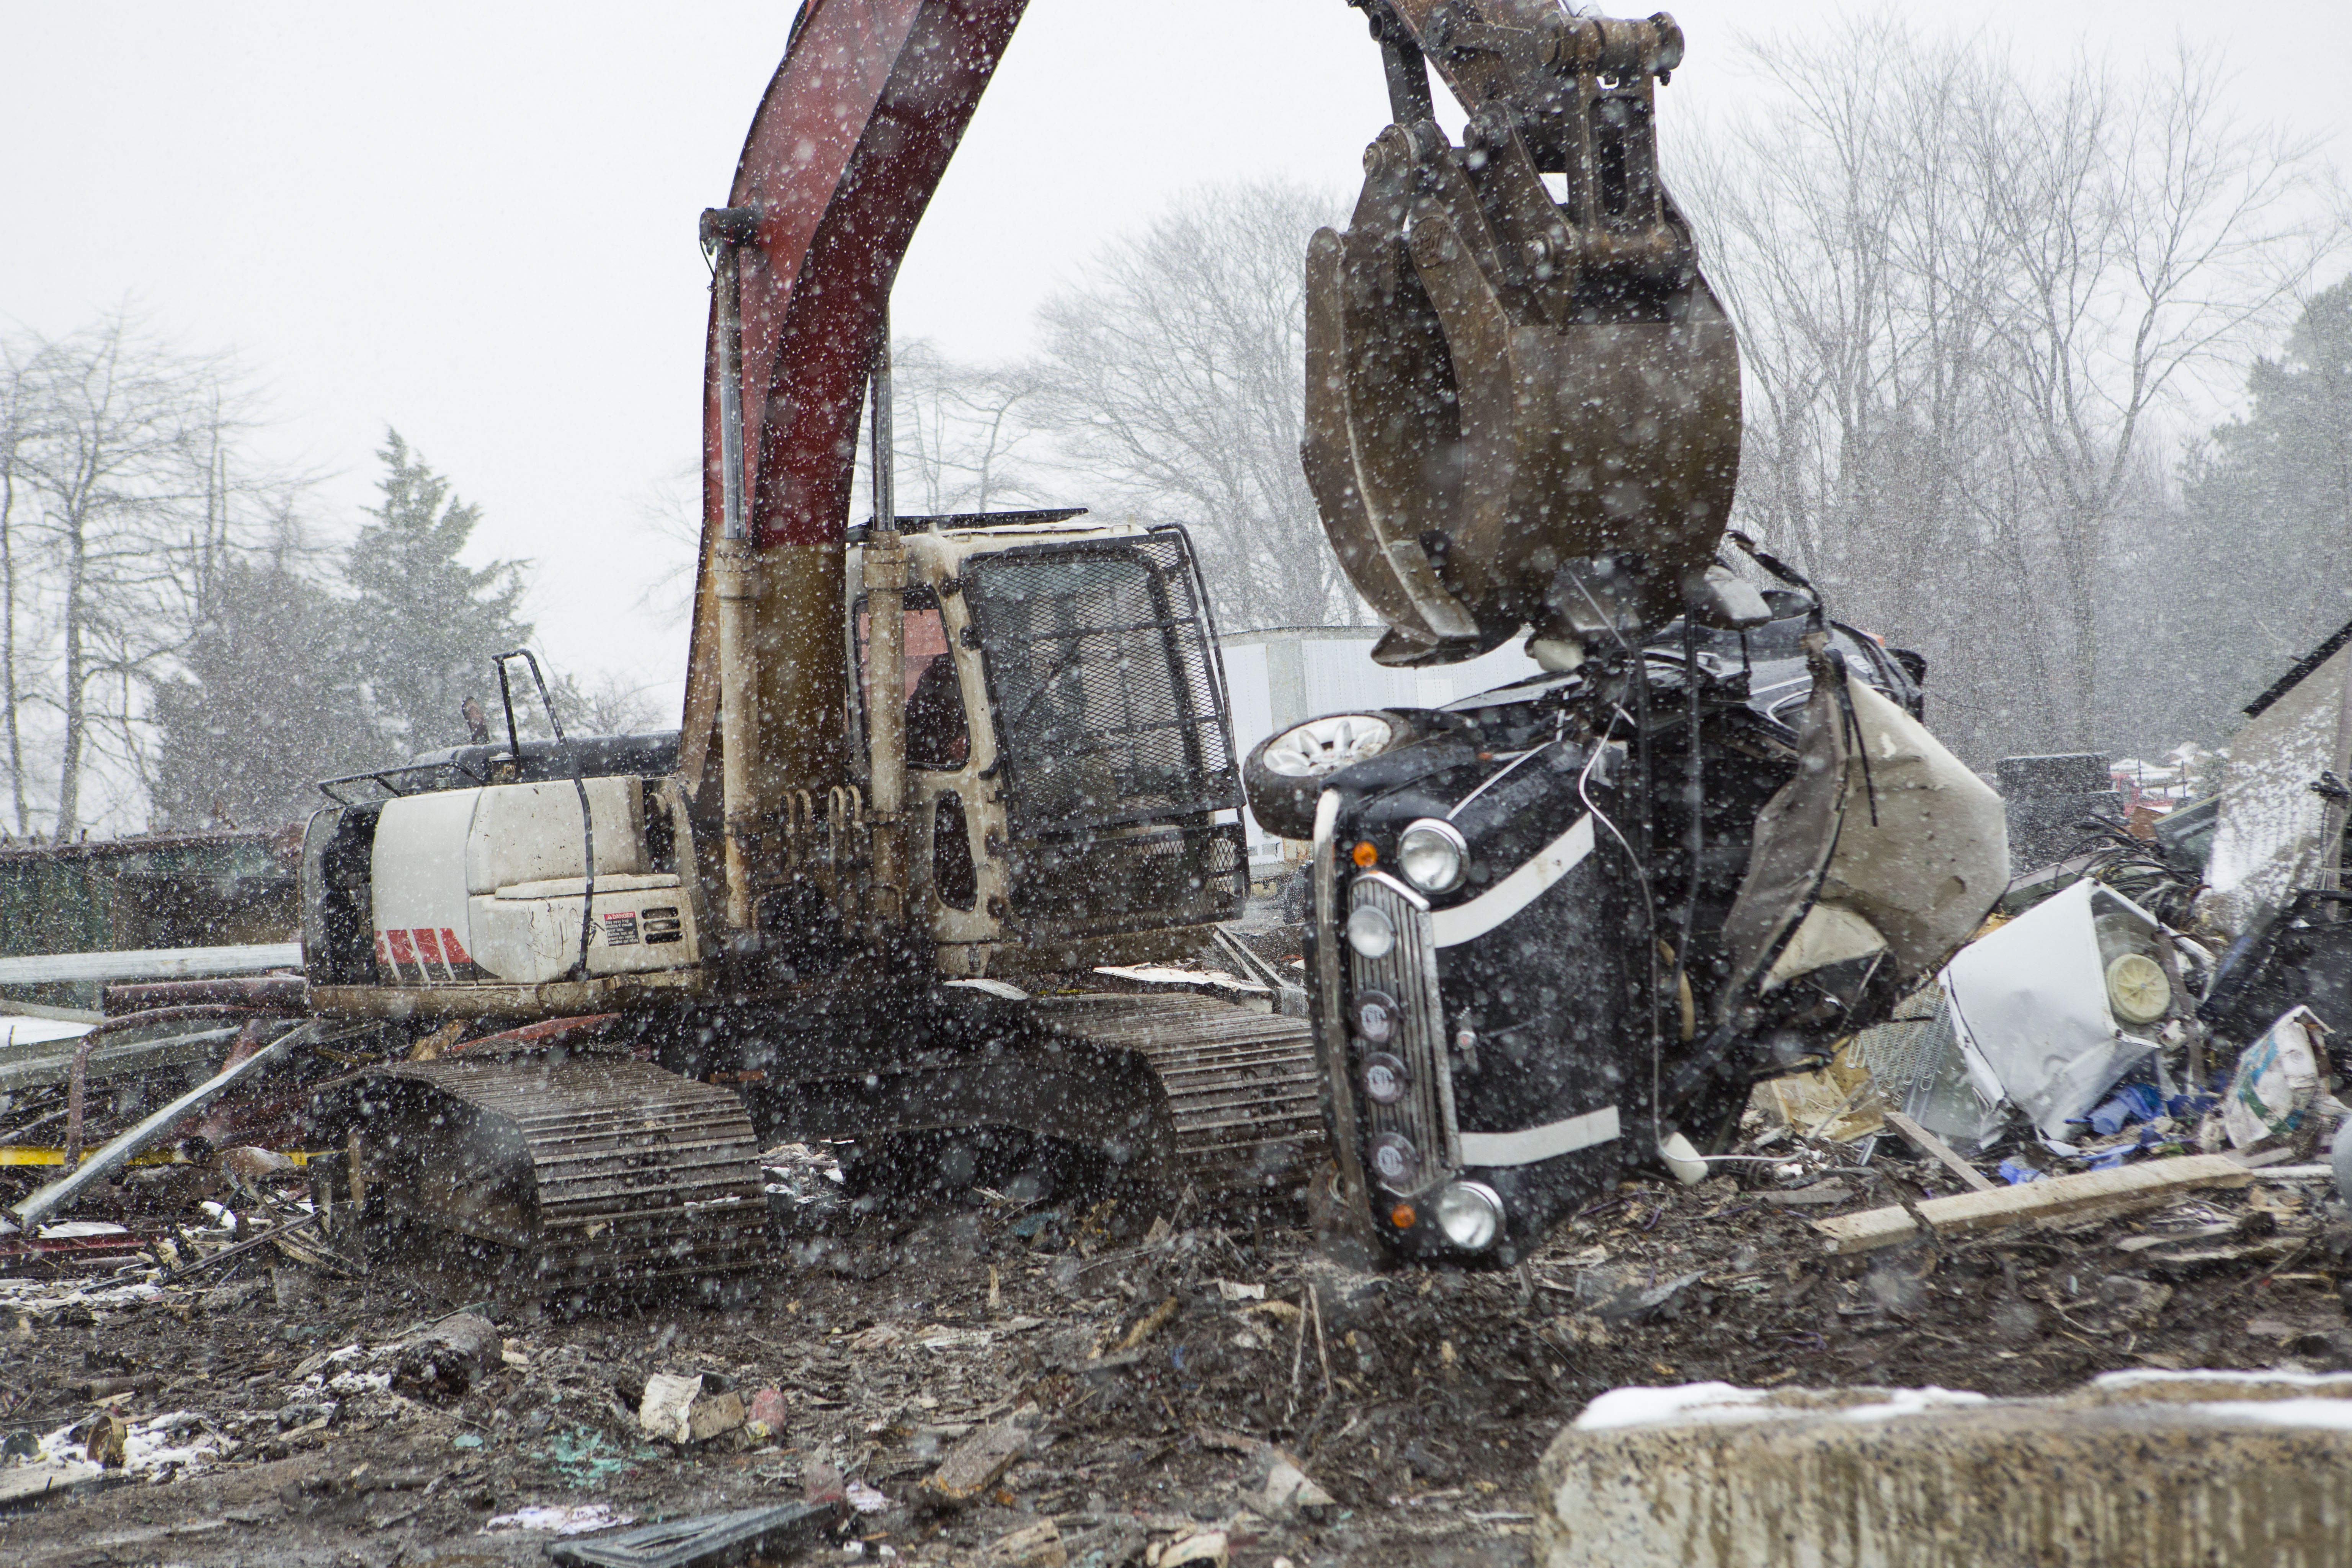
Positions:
{"x": 2176, "y": 981}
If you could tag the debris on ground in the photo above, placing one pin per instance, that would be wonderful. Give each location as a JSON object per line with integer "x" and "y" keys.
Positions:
{"x": 1289, "y": 1400}
{"x": 442, "y": 1360}
{"x": 980, "y": 1460}
{"x": 755, "y": 1534}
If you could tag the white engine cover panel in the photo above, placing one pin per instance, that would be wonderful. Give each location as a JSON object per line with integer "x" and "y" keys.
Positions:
{"x": 530, "y": 941}
{"x": 416, "y": 872}
{"x": 484, "y": 886}
{"x": 530, "y": 833}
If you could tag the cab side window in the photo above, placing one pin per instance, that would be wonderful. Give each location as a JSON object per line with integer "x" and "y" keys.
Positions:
{"x": 938, "y": 737}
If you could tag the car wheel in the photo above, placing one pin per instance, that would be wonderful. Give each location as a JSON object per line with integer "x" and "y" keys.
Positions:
{"x": 1284, "y": 774}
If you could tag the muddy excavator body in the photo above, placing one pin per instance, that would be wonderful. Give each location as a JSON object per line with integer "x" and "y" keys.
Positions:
{"x": 542, "y": 917}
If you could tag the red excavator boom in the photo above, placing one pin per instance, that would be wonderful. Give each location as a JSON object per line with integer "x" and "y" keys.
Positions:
{"x": 849, "y": 143}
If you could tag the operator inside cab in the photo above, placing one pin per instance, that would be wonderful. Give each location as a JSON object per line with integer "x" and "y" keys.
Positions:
{"x": 935, "y": 734}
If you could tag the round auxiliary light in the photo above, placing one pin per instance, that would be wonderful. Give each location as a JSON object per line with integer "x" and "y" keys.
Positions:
{"x": 2139, "y": 989}
{"x": 1376, "y": 1017}
{"x": 1394, "y": 1161}
{"x": 1385, "y": 1079}
{"x": 1370, "y": 932}
{"x": 1470, "y": 1214}
{"x": 1431, "y": 856}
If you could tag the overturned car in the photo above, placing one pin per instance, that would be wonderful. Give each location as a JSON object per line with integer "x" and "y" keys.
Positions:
{"x": 1571, "y": 922}
{"x": 1565, "y": 925}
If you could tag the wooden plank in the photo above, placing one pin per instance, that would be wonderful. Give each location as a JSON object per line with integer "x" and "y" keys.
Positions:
{"x": 977, "y": 1463}
{"x": 1935, "y": 1149}
{"x": 2061, "y": 1197}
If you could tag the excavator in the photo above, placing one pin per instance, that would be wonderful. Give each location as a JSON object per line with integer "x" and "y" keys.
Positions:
{"x": 933, "y": 771}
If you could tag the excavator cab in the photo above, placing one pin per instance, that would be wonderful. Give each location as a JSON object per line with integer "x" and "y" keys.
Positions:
{"x": 1073, "y": 796}
{"x": 1072, "y": 790}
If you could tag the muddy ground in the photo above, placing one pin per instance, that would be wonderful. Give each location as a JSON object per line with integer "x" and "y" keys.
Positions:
{"x": 264, "y": 1428}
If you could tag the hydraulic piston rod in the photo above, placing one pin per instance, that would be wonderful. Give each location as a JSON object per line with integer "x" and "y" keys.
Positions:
{"x": 886, "y": 663}
{"x": 735, "y": 564}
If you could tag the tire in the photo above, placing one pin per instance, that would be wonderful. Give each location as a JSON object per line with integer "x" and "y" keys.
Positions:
{"x": 1284, "y": 774}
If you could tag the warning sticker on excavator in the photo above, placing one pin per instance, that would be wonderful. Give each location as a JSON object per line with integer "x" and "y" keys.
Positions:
{"x": 621, "y": 931}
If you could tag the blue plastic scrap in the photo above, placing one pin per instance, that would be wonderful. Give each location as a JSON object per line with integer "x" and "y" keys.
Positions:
{"x": 2133, "y": 1102}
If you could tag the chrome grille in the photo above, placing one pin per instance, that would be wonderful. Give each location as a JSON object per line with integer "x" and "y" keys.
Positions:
{"x": 1407, "y": 972}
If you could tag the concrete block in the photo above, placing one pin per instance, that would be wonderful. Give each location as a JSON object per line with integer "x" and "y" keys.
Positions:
{"x": 2156, "y": 1469}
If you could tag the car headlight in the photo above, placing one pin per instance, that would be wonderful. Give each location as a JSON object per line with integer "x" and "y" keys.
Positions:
{"x": 1470, "y": 1214}
{"x": 1431, "y": 856}
{"x": 1370, "y": 932}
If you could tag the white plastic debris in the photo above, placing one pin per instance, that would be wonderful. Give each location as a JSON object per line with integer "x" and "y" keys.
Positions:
{"x": 2276, "y": 1082}
{"x": 2032, "y": 1006}
{"x": 668, "y": 1406}
{"x": 579, "y": 1520}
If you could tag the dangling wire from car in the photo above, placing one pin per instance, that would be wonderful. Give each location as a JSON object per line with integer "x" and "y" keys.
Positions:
{"x": 1649, "y": 906}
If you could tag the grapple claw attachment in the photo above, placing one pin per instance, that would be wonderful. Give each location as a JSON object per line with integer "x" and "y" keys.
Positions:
{"x": 1508, "y": 393}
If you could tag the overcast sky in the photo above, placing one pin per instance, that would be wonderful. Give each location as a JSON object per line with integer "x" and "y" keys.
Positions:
{"x": 476, "y": 222}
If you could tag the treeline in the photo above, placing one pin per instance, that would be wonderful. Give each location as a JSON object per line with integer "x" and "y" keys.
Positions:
{"x": 177, "y": 649}
{"x": 1981, "y": 304}
{"x": 1981, "y": 297}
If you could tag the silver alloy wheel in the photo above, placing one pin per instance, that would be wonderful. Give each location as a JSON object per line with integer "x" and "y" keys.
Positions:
{"x": 1323, "y": 746}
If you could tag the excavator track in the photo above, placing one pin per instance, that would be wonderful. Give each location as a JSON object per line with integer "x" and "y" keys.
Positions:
{"x": 1241, "y": 1084}
{"x": 580, "y": 1176}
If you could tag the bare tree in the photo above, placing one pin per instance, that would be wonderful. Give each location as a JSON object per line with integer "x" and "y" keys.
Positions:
{"x": 964, "y": 434}
{"x": 607, "y": 702}
{"x": 18, "y": 418}
{"x": 1170, "y": 375}
{"x": 1972, "y": 296}
{"x": 2144, "y": 238}
{"x": 129, "y": 493}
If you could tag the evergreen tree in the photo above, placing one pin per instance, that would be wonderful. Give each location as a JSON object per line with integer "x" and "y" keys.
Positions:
{"x": 2285, "y": 470}
{"x": 2255, "y": 567}
{"x": 425, "y": 625}
{"x": 266, "y": 703}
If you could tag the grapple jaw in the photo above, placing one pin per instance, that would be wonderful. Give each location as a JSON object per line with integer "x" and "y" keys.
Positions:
{"x": 1521, "y": 411}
